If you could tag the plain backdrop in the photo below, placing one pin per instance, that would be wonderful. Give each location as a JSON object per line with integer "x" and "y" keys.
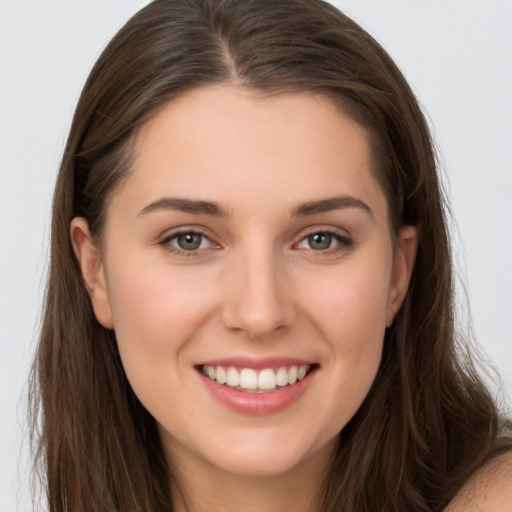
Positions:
{"x": 455, "y": 53}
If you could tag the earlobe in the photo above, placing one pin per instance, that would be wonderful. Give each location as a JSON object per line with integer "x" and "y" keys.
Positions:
{"x": 403, "y": 264}
{"x": 93, "y": 272}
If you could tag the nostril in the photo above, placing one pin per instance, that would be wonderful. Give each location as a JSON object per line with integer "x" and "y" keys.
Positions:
{"x": 258, "y": 319}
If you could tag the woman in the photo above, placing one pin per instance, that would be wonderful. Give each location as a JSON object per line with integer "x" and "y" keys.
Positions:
{"x": 250, "y": 295}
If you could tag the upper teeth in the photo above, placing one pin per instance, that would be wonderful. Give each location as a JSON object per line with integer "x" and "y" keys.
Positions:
{"x": 248, "y": 378}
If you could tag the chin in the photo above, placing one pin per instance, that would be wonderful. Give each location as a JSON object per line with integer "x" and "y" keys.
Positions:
{"x": 259, "y": 465}
{"x": 269, "y": 457}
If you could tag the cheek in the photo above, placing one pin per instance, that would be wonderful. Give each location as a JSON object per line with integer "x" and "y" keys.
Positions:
{"x": 150, "y": 302}
{"x": 351, "y": 300}
{"x": 349, "y": 315}
{"x": 360, "y": 324}
{"x": 155, "y": 313}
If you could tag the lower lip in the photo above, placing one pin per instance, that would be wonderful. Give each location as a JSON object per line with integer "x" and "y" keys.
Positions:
{"x": 258, "y": 403}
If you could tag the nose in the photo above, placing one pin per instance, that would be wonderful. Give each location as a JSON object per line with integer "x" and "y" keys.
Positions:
{"x": 259, "y": 298}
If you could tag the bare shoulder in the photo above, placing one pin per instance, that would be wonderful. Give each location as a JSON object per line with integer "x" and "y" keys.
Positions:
{"x": 488, "y": 490}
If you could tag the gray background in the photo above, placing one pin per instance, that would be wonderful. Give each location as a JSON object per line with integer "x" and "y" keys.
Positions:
{"x": 455, "y": 53}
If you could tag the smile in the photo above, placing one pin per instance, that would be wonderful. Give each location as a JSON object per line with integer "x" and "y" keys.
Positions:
{"x": 257, "y": 387}
{"x": 256, "y": 381}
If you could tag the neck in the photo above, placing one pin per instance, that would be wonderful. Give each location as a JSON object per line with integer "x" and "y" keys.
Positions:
{"x": 200, "y": 487}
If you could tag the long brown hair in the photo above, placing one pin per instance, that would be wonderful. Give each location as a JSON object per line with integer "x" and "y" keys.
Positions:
{"x": 428, "y": 421}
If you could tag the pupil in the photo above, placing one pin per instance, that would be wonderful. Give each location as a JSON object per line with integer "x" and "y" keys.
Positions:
{"x": 320, "y": 241}
{"x": 189, "y": 241}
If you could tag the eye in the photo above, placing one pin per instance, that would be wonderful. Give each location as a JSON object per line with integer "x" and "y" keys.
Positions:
{"x": 187, "y": 242}
{"x": 320, "y": 241}
{"x": 324, "y": 241}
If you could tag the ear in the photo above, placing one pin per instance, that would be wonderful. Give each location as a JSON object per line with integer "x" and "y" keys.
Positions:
{"x": 403, "y": 264}
{"x": 93, "y": 273}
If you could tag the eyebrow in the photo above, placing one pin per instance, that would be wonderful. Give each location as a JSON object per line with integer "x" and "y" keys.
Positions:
{"x": 214, "y": 209}
{"x": 197, "y": 207}
{"x": 329, "y": 204}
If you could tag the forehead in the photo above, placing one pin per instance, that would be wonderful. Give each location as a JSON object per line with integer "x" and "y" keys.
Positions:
{"x": 235, "y": 146}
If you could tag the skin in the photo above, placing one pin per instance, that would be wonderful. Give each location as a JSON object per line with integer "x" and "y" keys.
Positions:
{"x": 488, "y": 490}
{"x": 255, "y": 288}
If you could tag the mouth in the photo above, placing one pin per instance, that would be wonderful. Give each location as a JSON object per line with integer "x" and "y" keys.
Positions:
{"x": 261, "y": 380}
{"x": 257, "y": 386}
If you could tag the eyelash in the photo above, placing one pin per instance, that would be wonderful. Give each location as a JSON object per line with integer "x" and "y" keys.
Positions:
{"x": 343, "y": 242}
{"x": 166, "y": 242}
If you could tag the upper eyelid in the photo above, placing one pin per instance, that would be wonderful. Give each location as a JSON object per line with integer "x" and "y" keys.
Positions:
{"x": 340, "y": 232}
{"x": 166, "y": 243}
{"x": 172, "y": 233}
{"x": 343, "y": 238}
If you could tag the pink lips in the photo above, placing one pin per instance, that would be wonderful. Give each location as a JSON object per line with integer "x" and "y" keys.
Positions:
{"x": 261, "y": 403}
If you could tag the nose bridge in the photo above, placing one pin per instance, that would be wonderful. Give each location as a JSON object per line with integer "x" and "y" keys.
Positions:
{"x": 258, "y": 300}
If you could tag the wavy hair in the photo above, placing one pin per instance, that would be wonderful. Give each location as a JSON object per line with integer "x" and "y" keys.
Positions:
{"x": 428, "y": 421}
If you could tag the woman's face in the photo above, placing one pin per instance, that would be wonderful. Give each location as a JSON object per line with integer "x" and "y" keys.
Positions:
{"x": 249, "y": 248}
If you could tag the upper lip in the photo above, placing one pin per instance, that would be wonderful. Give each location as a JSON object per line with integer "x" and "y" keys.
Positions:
{"x": 256, "y": 363}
